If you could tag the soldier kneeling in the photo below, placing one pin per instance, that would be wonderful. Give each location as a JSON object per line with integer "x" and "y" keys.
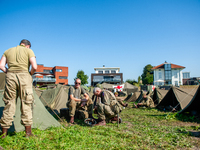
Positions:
{"x": 106, "y": 106}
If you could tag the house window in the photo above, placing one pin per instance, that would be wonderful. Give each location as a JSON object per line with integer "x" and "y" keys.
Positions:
{"x": 47, "y": 71}
{"x": 63, "y": 77}
{"x": 58, "y": 70}
{"x": 113, "y": 71}
{"x": 160, "y": 75}
{"x": 168, "y": 75}
{"x": 186, "y": 75}
{"x": 97, "y": 78}
{"x": 167, "y": 66}
{"x": 107, "y": 71}
{"x": 176, "y": 83}
{"x": 175, "y": 74}
{"x": 100, "y": 72}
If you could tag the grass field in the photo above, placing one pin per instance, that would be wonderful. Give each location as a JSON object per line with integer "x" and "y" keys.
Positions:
{"x": 141, "y": 129}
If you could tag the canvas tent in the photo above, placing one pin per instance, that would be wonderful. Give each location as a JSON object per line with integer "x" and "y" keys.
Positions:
{"x": 137, "y": 96}
{"x": 129, "y": 88}
{"x": 38, "y": 92}
{"x": 42, "y": 119}
{"x": 128, "y": 97}
{"x": 55, "y": 99}
{"x": 157, "y": 95}
{"x": 193, "y": 106}
{"x": 177, "y": 98}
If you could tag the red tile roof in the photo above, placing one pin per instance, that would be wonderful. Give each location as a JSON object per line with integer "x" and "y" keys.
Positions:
{"x": 173, "y": 66}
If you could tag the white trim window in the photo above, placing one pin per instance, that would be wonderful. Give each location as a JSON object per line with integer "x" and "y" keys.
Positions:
{"x": 175, "y": 74}
{"x": 159, "y": 75}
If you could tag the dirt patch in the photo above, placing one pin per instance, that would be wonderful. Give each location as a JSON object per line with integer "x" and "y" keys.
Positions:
{"x": 1, "y": 148}
{"x": 128, "y": 124}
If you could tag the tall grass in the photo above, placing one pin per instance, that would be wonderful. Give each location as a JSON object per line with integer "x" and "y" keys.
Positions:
{"x": 141, "y": 129}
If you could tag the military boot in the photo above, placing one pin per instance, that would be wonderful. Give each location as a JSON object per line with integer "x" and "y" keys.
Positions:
{"x": 116, "y": 119}
{"x": 28, "y": 131}
{"x": 101, "y": 123}
{"x": 72, "y": 119}
{"x": 125, "y": 105}
{"x": 4, "y": 132}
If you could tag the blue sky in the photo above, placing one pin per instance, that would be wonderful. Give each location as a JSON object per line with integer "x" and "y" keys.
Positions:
{"x": 84, "y": 34}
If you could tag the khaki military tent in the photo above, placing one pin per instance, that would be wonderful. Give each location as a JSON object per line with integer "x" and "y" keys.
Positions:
{"x": 128, "y": 97}
{"x": 42, "y": 119}
{"x": 107, "y": 86}
{"x": 177, "y": 98}
{"x": 129, "y": 88}
{"x": 135, "y": 97}
{"x": 38, "y": 92}
{"x": 55, "y": 98}
{"x": 2, "y": 80}
{"x": 157, "y": 95}
{"x": 193, "y": 106}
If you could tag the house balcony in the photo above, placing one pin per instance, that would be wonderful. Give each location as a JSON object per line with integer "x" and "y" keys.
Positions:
{"x": 106, "y": 80}
{"x": 44, "y": 79}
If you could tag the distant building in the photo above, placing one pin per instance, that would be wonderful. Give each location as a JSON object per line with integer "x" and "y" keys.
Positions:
{"x": 106, "y": 74}
{"x": 186, "y": 77}
{"x": 168, "y": 74}
{"x": 51, "y": 75}
{"x": 192, "y": 81}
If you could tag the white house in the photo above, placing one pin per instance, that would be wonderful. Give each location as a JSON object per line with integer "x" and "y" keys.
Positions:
{"x": 168, "y": 73}
{"x": 106, "y": 74}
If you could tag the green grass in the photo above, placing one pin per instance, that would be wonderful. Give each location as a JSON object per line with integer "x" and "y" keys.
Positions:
{"x": 141, "y": 129}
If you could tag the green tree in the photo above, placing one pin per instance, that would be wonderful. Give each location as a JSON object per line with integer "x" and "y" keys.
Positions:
{"x": 131, "y": 81}
{"x": 147, "y": 76}
{"x": 81, "y": 75}
{"x": 139, "y": 79}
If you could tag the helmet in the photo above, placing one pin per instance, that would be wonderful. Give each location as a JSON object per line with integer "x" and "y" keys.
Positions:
{"x": 90, "y": 121}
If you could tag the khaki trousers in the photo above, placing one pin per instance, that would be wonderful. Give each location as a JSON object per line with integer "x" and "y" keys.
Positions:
{"x": 18, "y": 83}
{"x": 105, "y": 111}
{"x": 73, "y": 106}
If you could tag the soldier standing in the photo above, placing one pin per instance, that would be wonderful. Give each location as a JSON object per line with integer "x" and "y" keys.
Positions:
{"x": 18, "y": 83}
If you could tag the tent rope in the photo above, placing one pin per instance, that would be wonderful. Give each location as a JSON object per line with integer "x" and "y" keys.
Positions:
{"x": 182, "y": 100}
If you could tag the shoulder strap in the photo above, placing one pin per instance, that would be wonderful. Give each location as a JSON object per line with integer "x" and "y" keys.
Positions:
{"x": 80, "y": 90}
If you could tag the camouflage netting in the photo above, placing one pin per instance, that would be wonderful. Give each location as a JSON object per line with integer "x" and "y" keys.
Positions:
{"x": 177, "y": 98}
{"x": 42, "y": 119}
{"x": 55, "y": 98}
{"x": 193, "y": 107}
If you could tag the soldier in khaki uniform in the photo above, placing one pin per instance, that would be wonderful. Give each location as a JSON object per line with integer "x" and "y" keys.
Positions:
{"x": 146, "y": 101}
{"x": 18, "y": 83}
{"x": 120, "y": 100}
{"x": 106, "y": 106}
{"x": 76, "y": 103}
